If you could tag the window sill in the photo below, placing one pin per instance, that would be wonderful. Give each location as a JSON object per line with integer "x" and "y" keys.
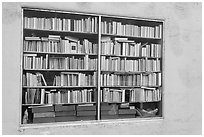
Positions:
{"x": 84, "y": 123}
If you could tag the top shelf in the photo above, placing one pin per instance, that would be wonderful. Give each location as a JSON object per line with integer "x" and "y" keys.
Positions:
{"x": 29, "y": 12}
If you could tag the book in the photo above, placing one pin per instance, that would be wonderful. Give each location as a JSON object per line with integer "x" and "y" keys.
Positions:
{"x": 63, "y": 108}
{"x": 86, "y": 108}
{"x": 44, "y": 120}
{"x": 74, "y": 39}
{"x": 86, "y": 113}
{"x": 108, "y": 112}
{"x": 65, "y": 113}
{"x": 44, "y": 114}
{"x": 32, "y": 38}
{"x": 105, "y": 38}
{"x": 41, "y": 109}
{"x": 54, "y": 37}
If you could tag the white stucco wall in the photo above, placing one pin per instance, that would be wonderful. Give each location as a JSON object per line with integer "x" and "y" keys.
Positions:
{"x": 183, "y": 68}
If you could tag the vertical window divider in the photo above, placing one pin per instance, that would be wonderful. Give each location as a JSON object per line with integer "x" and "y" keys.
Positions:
{"x": 99, "y": 69}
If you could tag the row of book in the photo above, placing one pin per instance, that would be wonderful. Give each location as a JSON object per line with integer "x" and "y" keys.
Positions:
{"x": 75, "y": 79}
{"x": 125, "y": 47}
{"x": 119, "y": 28}
{"x": 120, "y": 80}
{"x": 129, "y": 65}
{"x": 55, "y": 44}
{"x": 130, "y": 95}
{"x": 73, "y": 63}
{"x": 152, "y": 79}
{"x": 44, "y": 96}
{"x": 64, "y": 79}
{"x": 144, "y": 95}
{"x": 33, "y": 61}
{"x": 85, "y": 24}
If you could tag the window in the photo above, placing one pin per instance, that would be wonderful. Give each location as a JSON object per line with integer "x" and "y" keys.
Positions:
{"x": 79, "y": 66}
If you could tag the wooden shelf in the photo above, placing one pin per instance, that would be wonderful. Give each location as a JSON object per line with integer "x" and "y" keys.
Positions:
{"x": 60, "y": 70}
{"x": 129, "y": 72}
{"x": 58, "y": 53}
{"x": 122, "y": 56}
{"x": 79, "y": 103}
{"x": 130, "y": 102}
{"x": 134, "y": 37}
{"x": 59, "y": 87}
{"x": 145, "y": 87}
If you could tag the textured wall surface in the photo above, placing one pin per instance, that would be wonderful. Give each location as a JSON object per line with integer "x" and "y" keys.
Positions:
{"x": 183, "y": 68}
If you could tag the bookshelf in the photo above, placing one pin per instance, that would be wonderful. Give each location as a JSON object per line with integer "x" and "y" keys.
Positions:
{"x": 80, "y": 66}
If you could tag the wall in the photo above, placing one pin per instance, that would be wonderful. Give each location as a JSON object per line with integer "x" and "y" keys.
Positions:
{"x": 182, "y": 95}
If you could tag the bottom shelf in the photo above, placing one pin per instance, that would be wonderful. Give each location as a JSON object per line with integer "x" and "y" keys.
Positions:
{"x": 84, "y": 112}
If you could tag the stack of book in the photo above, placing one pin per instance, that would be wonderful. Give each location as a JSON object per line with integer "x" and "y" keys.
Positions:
{"x": 43, "y": 114}
{"x": 109, "y": 111}
{"x": 65, "y": 113}
{"x": 126, "y": 111}
{"x": 86, "y": 112}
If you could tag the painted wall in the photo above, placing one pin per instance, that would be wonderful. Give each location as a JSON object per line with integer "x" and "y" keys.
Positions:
{"x": 182, "y": 95}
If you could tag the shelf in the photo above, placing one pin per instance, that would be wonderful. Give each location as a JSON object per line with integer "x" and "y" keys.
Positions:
{"x": 122, "y": 56}
{"x": 59, "y": 87}
{"x": 130, "y": 102}
{"x": 58, "y": 53}
{"x": 130, "y": 72}
{"x": 79, "y": 103}
{"x": 145, "y": 87}
{"x": 135, "y": 37}
{"x": 60, "y": 70}
{"x": 59, "y": 31}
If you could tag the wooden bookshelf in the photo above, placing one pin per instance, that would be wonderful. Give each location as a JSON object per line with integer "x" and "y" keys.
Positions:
{"x": 90, "y": 67}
